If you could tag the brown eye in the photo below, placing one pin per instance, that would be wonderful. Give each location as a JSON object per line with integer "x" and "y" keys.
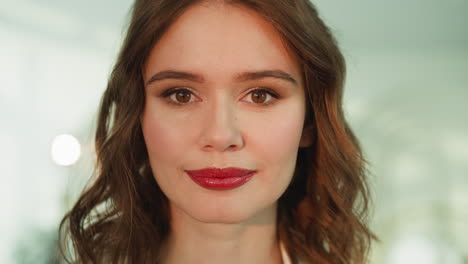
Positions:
{"x": 178, "y": 96}
{"x": 263, "y": 96}
{"x": 182, "y": 96}
{"x": 259, "y": 96}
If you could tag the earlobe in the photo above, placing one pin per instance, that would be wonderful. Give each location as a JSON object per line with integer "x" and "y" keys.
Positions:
{"x": 307, "y": 137}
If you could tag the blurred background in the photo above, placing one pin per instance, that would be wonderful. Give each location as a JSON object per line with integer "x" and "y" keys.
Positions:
{"x": 406, "y": 98}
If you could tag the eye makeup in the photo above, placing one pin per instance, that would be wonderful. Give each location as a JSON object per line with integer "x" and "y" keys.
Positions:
{"x": 269, "y": 93}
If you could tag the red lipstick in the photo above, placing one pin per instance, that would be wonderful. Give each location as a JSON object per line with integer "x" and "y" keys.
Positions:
{"x": 221, "y": 179}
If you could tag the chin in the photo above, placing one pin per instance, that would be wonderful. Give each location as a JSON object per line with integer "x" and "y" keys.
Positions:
{"x": 221, "y": 216}
{"x": 233, "y": 215}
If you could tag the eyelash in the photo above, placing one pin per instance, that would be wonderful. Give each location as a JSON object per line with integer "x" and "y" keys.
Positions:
{"x": 171, "y": 91}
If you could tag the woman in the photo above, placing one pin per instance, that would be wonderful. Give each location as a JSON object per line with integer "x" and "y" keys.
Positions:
{"x": 221, "y": 139}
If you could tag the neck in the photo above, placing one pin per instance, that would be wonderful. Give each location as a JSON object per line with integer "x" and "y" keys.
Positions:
{"x": 252, "y": 241}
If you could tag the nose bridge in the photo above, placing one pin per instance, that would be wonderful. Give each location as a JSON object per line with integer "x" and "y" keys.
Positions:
{"x": 221, "y": 127}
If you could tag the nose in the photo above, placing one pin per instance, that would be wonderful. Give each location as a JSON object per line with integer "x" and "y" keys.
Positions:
{"x": 221, "y": 131}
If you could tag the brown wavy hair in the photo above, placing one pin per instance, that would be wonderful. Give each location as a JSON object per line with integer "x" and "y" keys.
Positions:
{"x": 122, "y": 216}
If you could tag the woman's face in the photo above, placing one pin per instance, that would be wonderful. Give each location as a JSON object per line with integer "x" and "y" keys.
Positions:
{"x": 217, "y": 120}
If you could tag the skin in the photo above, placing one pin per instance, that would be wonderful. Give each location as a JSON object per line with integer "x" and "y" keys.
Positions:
{"x": 222, "y": 126}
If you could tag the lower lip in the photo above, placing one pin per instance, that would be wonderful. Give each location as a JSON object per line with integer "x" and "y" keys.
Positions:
{"x": 218, "y": 183}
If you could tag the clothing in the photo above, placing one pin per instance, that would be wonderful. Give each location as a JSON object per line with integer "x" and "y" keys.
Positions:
{"x": 284, "y": 254}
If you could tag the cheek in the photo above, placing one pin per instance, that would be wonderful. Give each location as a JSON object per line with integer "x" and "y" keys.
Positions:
{"x": 271, "y": 137}
{"x": 274, "y": 142}
{"x": 276, "y": 137}
{"x": 164, "y": 137}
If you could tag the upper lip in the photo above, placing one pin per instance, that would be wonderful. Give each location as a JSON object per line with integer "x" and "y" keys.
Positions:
{"x": 220, "y": 172}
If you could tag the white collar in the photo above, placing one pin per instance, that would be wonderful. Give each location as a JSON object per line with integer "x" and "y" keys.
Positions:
{"x": 284, "y": 254}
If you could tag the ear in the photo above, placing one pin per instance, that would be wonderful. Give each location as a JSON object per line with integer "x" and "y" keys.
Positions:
{"x": 307, "y": 137}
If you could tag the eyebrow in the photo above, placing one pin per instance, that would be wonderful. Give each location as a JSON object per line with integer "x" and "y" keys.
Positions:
{"x": 240, "y": 77}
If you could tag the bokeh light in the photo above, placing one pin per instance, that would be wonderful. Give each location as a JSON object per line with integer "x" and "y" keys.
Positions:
{"x": 66, "y": 150}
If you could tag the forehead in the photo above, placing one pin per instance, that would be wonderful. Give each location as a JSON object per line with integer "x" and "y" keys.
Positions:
{"x": 221, "y": 39}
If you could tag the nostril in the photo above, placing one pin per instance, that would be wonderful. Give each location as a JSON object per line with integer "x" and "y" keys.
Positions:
{"x": 234, "y": 146}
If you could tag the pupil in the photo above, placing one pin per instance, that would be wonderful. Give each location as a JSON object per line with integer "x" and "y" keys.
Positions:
{"x": 182, "y": 97}
{"x": 259, "y": 98}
